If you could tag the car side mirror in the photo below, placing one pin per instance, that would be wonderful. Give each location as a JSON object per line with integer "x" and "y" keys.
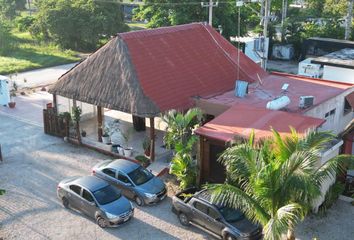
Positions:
{"x": 93, "y": 204}
{"x": 128, "y": 184}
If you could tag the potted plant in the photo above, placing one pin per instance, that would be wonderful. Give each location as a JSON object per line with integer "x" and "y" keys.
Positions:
{"x": 76, "y": 117}
{"x": 13, "y": 91}
{"x": 126, "y": 136}
{"x": 83, "y": 133}
{"x": 144, "y": 161}
{"x": 106, "y": 139}
{"x": 147, "y": 146}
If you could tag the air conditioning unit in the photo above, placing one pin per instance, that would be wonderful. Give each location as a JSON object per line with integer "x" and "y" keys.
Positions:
{"x": 306, "y": 101}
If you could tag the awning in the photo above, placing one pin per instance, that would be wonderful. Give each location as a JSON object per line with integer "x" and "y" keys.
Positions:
{"x": 240, "y": 120}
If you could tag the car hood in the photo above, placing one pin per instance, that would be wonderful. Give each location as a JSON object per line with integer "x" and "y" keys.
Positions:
{"x": 117, "y": 207}
{"x": 245, "y": 227}
{"x": 154, "y": 185}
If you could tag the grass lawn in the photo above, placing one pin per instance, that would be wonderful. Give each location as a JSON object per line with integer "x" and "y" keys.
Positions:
{"x": 29, "y": 54}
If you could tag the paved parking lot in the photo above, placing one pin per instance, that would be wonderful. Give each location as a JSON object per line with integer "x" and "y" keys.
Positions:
{"x": 33, "y": 165}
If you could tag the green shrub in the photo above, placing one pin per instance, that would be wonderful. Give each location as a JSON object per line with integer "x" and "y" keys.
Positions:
{"x": 24, "y": 23}
{"x": 142, "y": 159}
{"x": 7, "y": 41}
{"x": 331, "y": 197}
{"x": 183, "y": 166}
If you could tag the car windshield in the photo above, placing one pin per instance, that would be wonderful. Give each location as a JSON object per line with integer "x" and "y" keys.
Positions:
{"x": 231, "y": 214}
{"x": 140, "y": 176}
{"x": 107, "y": 195}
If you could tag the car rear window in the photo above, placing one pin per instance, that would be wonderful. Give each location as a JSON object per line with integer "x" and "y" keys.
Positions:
{"x": 140, "y": 176}
{"x": 231, "y": 214}
{"x": 107, "y": 195}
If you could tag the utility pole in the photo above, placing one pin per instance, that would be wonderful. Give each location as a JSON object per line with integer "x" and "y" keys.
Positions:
{"x": 284, "y": 12}
{"x": 348, "y": 27}
{"x": 29, "y": 7}
{"x": 210, "y": 5}
{"x": 267, "y": 4}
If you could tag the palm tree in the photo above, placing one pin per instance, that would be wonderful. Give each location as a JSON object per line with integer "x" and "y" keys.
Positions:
{"x": 180, "y": 126}
{"x": 276, "y": 180}
{"x": 2, "y": 192}
{"x": 183, "y": 165}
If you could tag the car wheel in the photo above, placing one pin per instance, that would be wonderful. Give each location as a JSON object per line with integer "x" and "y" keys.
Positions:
{"x": 139, "y": 201}
{"x": 65, "y": 202}
{"x": 229, "y": 237}
{"x": 183, "y": 219}
{"x": 101, "y": 222}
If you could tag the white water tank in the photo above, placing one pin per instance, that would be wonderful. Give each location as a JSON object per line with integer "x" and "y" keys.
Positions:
{"x": 278, "y": 103}
{"x": 4, "y": 90}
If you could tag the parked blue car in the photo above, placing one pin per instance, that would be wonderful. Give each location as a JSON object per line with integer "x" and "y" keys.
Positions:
{"x": 136, "y": 182}
{"x": 97, "y": 199}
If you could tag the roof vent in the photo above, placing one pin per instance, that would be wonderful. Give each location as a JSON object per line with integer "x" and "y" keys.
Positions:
{"x": 306, "y": 101}
{"x": 241, "y": 88}
{"x": 278, "y": 103}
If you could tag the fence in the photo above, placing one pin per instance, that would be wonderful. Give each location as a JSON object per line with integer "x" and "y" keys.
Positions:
{"x": 55, "y": 125}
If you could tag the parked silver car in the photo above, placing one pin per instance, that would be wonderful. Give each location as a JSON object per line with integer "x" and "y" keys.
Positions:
{"x": 97, "y": 199}
{"x": 136, "y": 182}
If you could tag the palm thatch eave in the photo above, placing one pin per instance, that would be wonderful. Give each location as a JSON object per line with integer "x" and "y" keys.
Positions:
{"x": 107, "y": 79}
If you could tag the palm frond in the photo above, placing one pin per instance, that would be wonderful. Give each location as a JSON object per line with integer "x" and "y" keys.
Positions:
{"x": 332, "y": 167}
{"x": 234, "y": 197}
{"x": 286, "y": 217}
{"x": 315, "y": 140}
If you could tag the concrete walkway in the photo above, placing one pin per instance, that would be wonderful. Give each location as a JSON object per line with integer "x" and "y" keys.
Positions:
{"x": 41, "y": 77}
{"x": 29, "y": 109}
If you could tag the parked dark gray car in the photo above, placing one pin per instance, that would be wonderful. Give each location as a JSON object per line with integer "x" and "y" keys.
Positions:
{"x": 97, "y": 199}
{"x": 135, "y": 181}
{"x": 196, "y": 208}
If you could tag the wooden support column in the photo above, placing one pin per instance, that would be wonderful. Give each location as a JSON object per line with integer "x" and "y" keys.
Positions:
{"x": 152, "y": 139}
{"x": 99, "y": 123}
{"x": 55, "y": 103}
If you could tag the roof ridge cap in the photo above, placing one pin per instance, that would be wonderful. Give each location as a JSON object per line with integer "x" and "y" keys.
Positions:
{"x": 159, "y": 30}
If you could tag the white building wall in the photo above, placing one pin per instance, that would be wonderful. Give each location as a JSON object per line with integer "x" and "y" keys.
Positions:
{"x": 339, "y": 120}
{"x": 4, "y": 90}
{"x": 329, "y": 154}
{"x": 338, "y": 74}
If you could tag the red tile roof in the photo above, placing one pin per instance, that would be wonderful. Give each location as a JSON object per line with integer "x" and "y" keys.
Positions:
{"x": 270, "y": 88}
{"x": 350, "y": 99}
{"x": 240, "y": 120}
{"x": 174, "y": 64}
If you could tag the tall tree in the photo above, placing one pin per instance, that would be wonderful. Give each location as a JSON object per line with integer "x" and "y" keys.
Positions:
{"x": 170, "y": 12}
{"x": 275, "y": 182}
{"x": 78, "y": 24}
{"x": 8, "y": 8}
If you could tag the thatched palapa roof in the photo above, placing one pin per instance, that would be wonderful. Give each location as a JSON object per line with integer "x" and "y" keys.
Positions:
{"x": 151, "y": 71}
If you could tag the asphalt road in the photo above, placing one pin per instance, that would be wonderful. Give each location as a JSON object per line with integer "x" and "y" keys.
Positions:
{"x": 41, "y": 77}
